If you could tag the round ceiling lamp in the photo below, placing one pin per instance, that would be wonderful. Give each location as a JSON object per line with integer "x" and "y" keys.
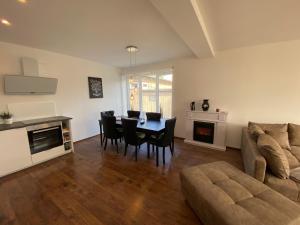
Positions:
{"x": 132, "y": 49}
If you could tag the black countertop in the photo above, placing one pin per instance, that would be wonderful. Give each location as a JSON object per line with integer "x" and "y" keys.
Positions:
{"x": 26, "y": 123}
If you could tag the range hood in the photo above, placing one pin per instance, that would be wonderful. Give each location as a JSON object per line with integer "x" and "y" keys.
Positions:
{"x": 29, "y": 83}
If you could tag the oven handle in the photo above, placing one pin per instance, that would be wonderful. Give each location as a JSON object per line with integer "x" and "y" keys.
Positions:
{"x": 39, "y": 131}
{"x": 38, "y": 139}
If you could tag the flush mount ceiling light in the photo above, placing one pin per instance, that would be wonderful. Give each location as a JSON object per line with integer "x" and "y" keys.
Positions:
{"x": 5, "y": 22}
{"x": 22, "y": 1}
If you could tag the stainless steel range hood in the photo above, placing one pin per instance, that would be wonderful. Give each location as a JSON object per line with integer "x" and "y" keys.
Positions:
{"x": 29, "y": 83}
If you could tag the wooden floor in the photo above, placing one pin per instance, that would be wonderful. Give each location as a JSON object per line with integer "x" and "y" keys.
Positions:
{"x": 92, "y": 187}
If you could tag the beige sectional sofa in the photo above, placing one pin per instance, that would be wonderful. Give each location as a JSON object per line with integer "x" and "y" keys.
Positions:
{"x": 255, "y": 164}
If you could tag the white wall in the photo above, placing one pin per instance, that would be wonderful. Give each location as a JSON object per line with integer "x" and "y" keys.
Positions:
{"x": 260, "y": 83}
{"x": 72, "y": 97}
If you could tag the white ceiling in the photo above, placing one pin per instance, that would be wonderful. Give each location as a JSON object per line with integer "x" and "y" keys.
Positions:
{"x": 99, "y": 30}
{"x": 96, "y": 30}
{"x": 239, "y": 23}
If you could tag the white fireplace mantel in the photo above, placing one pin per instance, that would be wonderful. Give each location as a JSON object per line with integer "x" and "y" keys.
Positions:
{"x": 219, "y": 121}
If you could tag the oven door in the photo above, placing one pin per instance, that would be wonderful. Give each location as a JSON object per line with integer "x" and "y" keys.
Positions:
{"x": 45, "y": 137}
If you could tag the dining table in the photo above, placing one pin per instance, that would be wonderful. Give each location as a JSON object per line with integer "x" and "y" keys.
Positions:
{"x": 149, "y": 127}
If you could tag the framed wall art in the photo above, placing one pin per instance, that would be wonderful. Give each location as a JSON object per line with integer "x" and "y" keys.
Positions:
{"x": 95, "y": 87}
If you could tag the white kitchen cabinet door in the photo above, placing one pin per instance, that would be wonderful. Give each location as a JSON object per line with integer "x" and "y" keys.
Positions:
{"x": 14, "y": 151}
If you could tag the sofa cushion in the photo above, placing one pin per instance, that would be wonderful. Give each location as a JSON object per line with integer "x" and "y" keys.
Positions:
{"x": 255, "y": 130}
{"x": 221, "y": 194}
{"x": 281, "y": 137}
{"x": 293, "y": 160}
{"x": 295, "y": 174}
{"x": 274, "y": 155}
{"x": 294, "y": 134}
{"x": 274, "y": 127}
{"x": 287, "y": 187}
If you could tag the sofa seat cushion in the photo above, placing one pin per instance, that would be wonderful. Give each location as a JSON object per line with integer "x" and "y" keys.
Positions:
{"x": 221, "y": 194}
{"x": 287, "y": 187}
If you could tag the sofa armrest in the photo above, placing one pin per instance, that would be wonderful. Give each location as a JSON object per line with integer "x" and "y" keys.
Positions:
{"x": 254, "y": 163}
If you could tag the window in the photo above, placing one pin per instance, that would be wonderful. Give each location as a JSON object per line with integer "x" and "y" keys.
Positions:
{"x": 165, "y": 94}
{"x": 151, "y": 92}
{"x": 134, "y": 93}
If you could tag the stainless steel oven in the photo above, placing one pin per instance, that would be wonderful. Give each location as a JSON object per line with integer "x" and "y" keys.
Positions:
{"x": 43, "y": 137}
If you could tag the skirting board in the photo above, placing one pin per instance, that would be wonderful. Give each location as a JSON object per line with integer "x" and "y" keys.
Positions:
{"x": 211, "y": 146}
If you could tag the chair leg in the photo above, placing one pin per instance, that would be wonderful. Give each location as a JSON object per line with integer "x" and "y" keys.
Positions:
{"x": 164, "y": 155}
{"x": 116, "y": 142}
{"x": 105, "y": 144}
{"x": 171, "y": 150}
{"x": 101, "y": 140}
{"x": 136, "y": 152}
{"x": 157, "y": 156}
{"x": 173, "y": 144}
{"x": 126, "y": 146}
{"x": 148, "y": 150}
{"x": 112, "y": 141}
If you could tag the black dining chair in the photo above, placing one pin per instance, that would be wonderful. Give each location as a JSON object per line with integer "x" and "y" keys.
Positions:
{"x": 164, "y": 140}
{"x": 131, "y": 136}
{"x": 102, "y": 114}
{"x": 111, "y": 131}
{"x": 153, "y": 116}
{"x": 133, "y": 114}
{"x": 107, "y": 113}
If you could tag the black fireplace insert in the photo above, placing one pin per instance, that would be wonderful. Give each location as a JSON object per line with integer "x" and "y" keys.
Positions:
{"x": 204, "y": 132}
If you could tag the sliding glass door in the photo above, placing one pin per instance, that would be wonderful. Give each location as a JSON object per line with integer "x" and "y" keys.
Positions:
{"x": 151, "y": 92}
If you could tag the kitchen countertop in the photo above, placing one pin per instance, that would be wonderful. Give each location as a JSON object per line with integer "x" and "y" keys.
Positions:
{"x": 26, "y": 123}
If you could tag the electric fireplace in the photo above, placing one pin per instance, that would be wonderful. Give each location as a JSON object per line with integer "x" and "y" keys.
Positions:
{"x": 204, "y": 132}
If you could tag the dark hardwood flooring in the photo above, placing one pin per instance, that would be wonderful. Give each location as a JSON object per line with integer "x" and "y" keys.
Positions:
{"x": 93, "y": 187}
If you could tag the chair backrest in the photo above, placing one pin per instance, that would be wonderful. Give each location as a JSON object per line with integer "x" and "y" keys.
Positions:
{"x": 129, "y": 131}
{"x": 153, "y": 116}
{"x": 107, "y": 113}
{"x": 109, "y": 126}
{"x": 133, "y": 114}
{"x": 169, "y": 131}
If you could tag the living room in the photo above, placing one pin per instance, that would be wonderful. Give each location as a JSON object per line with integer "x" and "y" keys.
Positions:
{"x": 150, "y": 56}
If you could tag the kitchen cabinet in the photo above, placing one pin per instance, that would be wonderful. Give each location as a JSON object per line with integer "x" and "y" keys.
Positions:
{"x": 14, "y": 151}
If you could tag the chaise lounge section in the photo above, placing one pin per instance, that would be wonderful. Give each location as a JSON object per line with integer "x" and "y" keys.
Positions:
{"x": 221, "y": 194}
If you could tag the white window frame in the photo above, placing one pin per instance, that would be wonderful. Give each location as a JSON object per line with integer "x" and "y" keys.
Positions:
{"x": 157, "y": 73}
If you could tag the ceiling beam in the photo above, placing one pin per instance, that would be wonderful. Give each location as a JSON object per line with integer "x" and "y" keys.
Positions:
{"x": 186, "y": 19}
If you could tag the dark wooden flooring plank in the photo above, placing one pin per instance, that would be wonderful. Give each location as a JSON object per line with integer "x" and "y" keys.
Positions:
{"x": 96, "y": 187}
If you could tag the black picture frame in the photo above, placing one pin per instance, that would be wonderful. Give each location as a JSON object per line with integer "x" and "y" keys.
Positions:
{"x": 95, "y": 87}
